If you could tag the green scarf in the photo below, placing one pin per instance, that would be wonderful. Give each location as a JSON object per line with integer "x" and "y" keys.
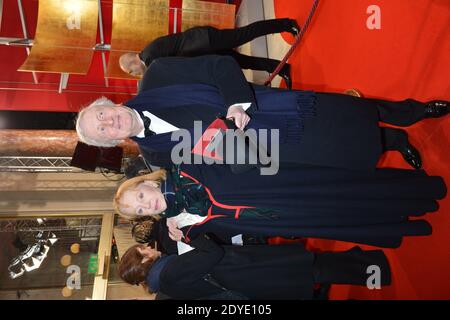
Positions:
{"x": 182, "y": 193}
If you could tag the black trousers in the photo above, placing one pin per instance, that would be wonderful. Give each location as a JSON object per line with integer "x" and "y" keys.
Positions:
{"x": 403, "y": 113}
{"x": 222, "y": 41}
{"x": 256, "y": 63}
{"x": 399, "y": 113}
{"x": 350, "y": 267}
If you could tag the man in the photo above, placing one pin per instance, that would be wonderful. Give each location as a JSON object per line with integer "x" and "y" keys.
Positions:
{"x": 320, "y": 129}
{"x": 209, "y": 40}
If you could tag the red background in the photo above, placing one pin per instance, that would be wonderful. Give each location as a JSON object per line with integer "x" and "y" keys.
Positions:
{"x": 407, "y": 58}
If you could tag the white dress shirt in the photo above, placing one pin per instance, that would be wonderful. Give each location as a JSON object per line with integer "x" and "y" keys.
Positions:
{"x": 158, "y": 125}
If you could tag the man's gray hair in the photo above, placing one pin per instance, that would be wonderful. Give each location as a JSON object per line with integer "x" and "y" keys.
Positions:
{"x": 103, "y": 101}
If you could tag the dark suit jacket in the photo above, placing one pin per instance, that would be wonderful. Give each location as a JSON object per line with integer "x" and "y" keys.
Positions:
{"x": 160, "y": 234}
{"x": 264, "y": 272}
{"x": 314, "y": 129}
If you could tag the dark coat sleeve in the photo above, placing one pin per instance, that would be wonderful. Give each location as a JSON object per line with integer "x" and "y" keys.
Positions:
{"x": 222, "y": 72}
{"x": 182, "y": 278}
{"x": 160, "y": 234}
{"x": 165, "y": 46}
{"x": 155, "y": 158}
{"x": 150, "y": 53}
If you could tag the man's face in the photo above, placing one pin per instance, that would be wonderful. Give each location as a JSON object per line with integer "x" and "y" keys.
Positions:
{"x": 106, "y": 123}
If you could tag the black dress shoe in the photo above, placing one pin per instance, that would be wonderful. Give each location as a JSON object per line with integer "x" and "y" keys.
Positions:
{"x": 285, "y": 73}
{"x": 411, "y": 155}
{"x": 294, "y": 29}
{"x": 436, "y": 109}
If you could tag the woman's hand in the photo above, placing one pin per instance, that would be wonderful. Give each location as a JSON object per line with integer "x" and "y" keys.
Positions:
{"x": 239, "y": 116}
{"x": 174, "y": 233}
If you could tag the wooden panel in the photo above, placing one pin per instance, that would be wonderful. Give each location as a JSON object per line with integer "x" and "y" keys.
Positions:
{"x": 202, "y": 13}
{"x": 135, "y": 24}
{"x": 65, "y": 35}
{"x": 58, "y": 60}
{"x": 104, "y": 256}
{"x": 47, "y": 143}
{"x": 70, "y": 23}
{"x": 113, "y": 70}
{"x": 138, "y": 22}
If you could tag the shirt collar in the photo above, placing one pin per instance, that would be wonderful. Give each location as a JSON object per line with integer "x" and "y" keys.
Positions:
{"x": 142, "y": 133}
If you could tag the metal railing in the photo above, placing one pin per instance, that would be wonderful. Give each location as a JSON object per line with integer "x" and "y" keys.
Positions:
{"x": 37, "y": 164}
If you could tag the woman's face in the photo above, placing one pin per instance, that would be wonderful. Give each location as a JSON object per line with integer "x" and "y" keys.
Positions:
{"x": 148, "y": 253}
{"x": 146, "y": 200}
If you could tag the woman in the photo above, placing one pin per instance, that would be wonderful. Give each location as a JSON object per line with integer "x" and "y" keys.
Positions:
{"x": 364, "y": 207}
{"x": 211, "y": 269}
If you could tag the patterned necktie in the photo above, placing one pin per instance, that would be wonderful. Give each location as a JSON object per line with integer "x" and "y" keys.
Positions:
{"x": 147, "y": 121}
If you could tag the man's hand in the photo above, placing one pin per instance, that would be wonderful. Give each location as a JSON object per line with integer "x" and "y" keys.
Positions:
{"x": 174, "y": 233}
{"x": 239, "y": 116}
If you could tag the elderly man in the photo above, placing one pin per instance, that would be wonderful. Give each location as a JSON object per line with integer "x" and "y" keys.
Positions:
{"x": 320, "y": 129}
{"x": 209, "y": 40}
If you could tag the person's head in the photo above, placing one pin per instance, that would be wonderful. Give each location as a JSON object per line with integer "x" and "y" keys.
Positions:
{"x": 142, "y": 230}
{"x": 141, "y": 196}
{"x": 136, "y": 262}
{"x": 132, "y": 64}
{"x": 106, "y": 124}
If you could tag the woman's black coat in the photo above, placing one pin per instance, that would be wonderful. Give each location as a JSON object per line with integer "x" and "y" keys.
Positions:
{"x": 263, "y": 271}
{"x": 363, "y": 207}
{"x": 257, "y": 272}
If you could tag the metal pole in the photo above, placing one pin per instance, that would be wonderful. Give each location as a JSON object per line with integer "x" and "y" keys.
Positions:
{"x": 100, "y": 24}
{"x": 175, "y": 21}
{"x": 25, "y": 34}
